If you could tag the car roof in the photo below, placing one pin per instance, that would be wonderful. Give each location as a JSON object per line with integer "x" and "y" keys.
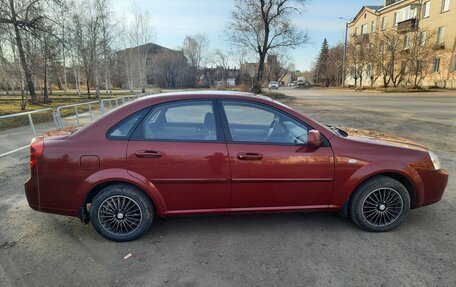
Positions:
{"x": 169, "y": 96}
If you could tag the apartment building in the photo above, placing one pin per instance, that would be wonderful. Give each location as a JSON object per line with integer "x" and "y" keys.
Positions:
{"x": 429, "y": 22}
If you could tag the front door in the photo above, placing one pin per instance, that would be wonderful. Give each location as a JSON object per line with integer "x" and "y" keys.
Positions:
{"x": 178, "y": 148}
{"x": 271, "y": 164}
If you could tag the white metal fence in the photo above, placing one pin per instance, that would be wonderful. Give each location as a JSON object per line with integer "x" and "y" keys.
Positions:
{"x": 12, "y": 145}
{"x": 17, "y": 139}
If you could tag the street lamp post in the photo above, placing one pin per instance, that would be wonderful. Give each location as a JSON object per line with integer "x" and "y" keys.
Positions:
{"x": 345, "y": 52}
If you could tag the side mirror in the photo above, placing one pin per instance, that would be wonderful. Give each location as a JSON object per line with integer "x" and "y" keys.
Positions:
{"x": 314, "y": 138}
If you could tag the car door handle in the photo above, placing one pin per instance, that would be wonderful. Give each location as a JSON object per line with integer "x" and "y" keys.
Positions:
{"x": 148, "y": 154}
{"x": 249, "y": 156}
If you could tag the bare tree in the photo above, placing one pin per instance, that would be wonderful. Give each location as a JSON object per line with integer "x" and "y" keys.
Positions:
{"x": 87, "y": 26}
{"x": 397, "y": 58}
{"x": 141, "y": 35}
{"x": 221, "y": 59}
{"x": 279, "y": 67}
{"x": 262, "y": 26}
{"x": 420, "y": 56}
{"x": 106, "y": 39}
{"x": 24, "y": 17}
{"x": 196, "y": 49}
{"x": 170, "y": 69}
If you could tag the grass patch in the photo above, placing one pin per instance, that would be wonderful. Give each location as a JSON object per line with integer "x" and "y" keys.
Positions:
{"x": 405, "y": 90}
{"x": 274, "y": 95}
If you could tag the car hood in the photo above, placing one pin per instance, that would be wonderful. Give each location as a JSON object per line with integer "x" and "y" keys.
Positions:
{"x": 371, "y": 137}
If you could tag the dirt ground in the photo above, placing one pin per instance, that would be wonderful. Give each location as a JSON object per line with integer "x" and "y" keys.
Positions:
{"x": 311, "y": 249}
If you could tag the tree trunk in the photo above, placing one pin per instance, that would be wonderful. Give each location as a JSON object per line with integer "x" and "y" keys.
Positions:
{"x": 23, "y": 95}
{"x": 259, "y": 77}
{"x": 106, "y": 80}
{"x": 88, "y": 87}
{"x": 97, "y": 83}
{"x": 45, "y": 95}
{"x": 27, "y": 73}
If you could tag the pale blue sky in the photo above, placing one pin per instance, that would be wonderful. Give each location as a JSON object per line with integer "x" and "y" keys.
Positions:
{"x": 174, "y": 19}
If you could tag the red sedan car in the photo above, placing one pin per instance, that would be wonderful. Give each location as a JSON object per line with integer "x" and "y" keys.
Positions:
{"x": 224, "y": 152}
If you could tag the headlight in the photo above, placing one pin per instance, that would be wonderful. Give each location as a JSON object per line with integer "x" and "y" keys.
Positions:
{"x": 435, "y": 160}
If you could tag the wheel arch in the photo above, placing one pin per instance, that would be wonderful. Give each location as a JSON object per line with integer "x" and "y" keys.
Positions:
{"x": 406, "y": 182}
{"x": 98, "y": 181}
{"x": 404, "y": 174}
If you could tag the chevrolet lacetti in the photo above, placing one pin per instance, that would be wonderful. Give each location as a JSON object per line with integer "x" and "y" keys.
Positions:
{"x": 224, "y": 152}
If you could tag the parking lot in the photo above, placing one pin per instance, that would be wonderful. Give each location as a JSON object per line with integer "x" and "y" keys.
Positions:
{"x": 307, "y": 249}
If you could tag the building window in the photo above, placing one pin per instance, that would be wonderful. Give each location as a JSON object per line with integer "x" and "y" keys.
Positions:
{"x": 422, "y": 38}
{"x": 406, "y": 13}
{"x": 436, "y": 66}
{"x": 356, "y": 31}
{"x": 364, "y": 29}
{"x": 373, "y": 26}
{"x": 395, "y": 19}
{"x": 441, "y": 35}
{"x": 427, "y": 9}
{"x": 384, "y": 23}
{"x": 406, "y": 41}
{"x": 445, "y": 5}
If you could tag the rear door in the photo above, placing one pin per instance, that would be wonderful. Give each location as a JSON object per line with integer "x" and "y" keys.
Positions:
{"x": 179, "y": 149}
{"x": 271, "y": 164}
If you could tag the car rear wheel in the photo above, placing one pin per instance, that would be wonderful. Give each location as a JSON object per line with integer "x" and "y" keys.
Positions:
{"x": 121, "y": 212}
{"x": 380, "y": 204}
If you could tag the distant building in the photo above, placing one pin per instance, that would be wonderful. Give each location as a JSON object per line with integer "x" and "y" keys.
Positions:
{"x": 215, "y": 76}
{"x": 427, "y": 21}
{"x": 163, "y": 67}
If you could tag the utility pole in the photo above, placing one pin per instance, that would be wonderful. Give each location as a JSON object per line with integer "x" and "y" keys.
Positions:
{"x": 345, "y": 52}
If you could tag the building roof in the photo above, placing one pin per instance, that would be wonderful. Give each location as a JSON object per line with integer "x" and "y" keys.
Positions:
{"x": 151, "y": 48}
{"x": 375, "y": 8}
{"x": 371, "y": 8}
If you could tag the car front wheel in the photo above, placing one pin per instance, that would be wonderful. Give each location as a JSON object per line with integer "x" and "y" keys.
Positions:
{"x": 121, "y": 212}
{"x": 380, "y": 204}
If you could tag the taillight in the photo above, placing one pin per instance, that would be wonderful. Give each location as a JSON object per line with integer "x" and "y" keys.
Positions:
{"x": 36, "y": 150}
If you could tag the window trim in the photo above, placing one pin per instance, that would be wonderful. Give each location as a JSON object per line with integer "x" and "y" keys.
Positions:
{"x": 422, "y": 38}
{"x": 229, "y": 138}
{"x": 436, "y": 65}
{"x": 427, "y": 9}
{"x": 454, "y": 64}
{"x": 441, "y": 31}
{"x": 218, "y": 124}
{"x": 445, "y": 6}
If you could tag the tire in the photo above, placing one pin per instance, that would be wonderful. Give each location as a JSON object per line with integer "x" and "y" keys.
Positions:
{"x": 121, "y": 212}
{"x": 379, "y": 204}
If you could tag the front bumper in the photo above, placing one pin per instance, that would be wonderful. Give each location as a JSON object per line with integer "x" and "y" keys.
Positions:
{"x": 434, "y": 183}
